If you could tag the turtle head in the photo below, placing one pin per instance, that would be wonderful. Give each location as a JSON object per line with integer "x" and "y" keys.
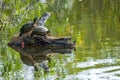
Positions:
{"x": 35, "y": 20}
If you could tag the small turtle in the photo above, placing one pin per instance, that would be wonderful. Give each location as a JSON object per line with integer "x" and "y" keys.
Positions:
{"x": 40, "y": 29}
{"x": 26, "y": 28}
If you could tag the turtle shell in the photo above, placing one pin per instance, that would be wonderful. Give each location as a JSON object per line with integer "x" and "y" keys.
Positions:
{"x": 28, "y": 27}
{"x": 40, "y": 30}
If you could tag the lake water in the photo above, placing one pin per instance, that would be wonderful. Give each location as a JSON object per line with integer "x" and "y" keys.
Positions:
{"x": 94, "y": 25}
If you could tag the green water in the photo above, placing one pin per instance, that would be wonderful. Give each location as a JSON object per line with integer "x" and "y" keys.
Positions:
{"x": 93, "y": 24}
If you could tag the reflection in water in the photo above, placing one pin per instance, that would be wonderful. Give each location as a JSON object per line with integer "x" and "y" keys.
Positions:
{"x": 41, "y": 56}
{"x": 34, "y": 58}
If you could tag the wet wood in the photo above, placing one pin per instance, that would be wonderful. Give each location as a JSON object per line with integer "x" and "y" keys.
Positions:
{"x": 41, "y": 41}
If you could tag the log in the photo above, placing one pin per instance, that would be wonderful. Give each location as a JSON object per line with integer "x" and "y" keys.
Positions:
{"x": 38, "y": 41}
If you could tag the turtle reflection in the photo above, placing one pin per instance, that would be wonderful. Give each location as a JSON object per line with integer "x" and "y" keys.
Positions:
{"x": 36, "y": 61}
{"x": 40, "y": 57}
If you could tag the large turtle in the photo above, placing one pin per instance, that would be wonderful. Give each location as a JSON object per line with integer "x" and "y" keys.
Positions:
{"x": 26, "y": 28}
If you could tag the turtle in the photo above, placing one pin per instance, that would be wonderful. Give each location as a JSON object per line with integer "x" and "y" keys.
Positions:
{"x": 28, "y": 27}
{"x": 40, "y": 29}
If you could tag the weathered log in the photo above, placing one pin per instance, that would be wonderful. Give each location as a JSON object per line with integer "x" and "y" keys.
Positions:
{"x": 39, "y": 41}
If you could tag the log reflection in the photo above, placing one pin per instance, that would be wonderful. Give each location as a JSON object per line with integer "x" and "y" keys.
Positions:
{"x": 37, "y": 56}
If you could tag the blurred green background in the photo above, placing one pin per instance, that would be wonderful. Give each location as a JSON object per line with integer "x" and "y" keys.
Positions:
{"x": 93, "y": 24}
